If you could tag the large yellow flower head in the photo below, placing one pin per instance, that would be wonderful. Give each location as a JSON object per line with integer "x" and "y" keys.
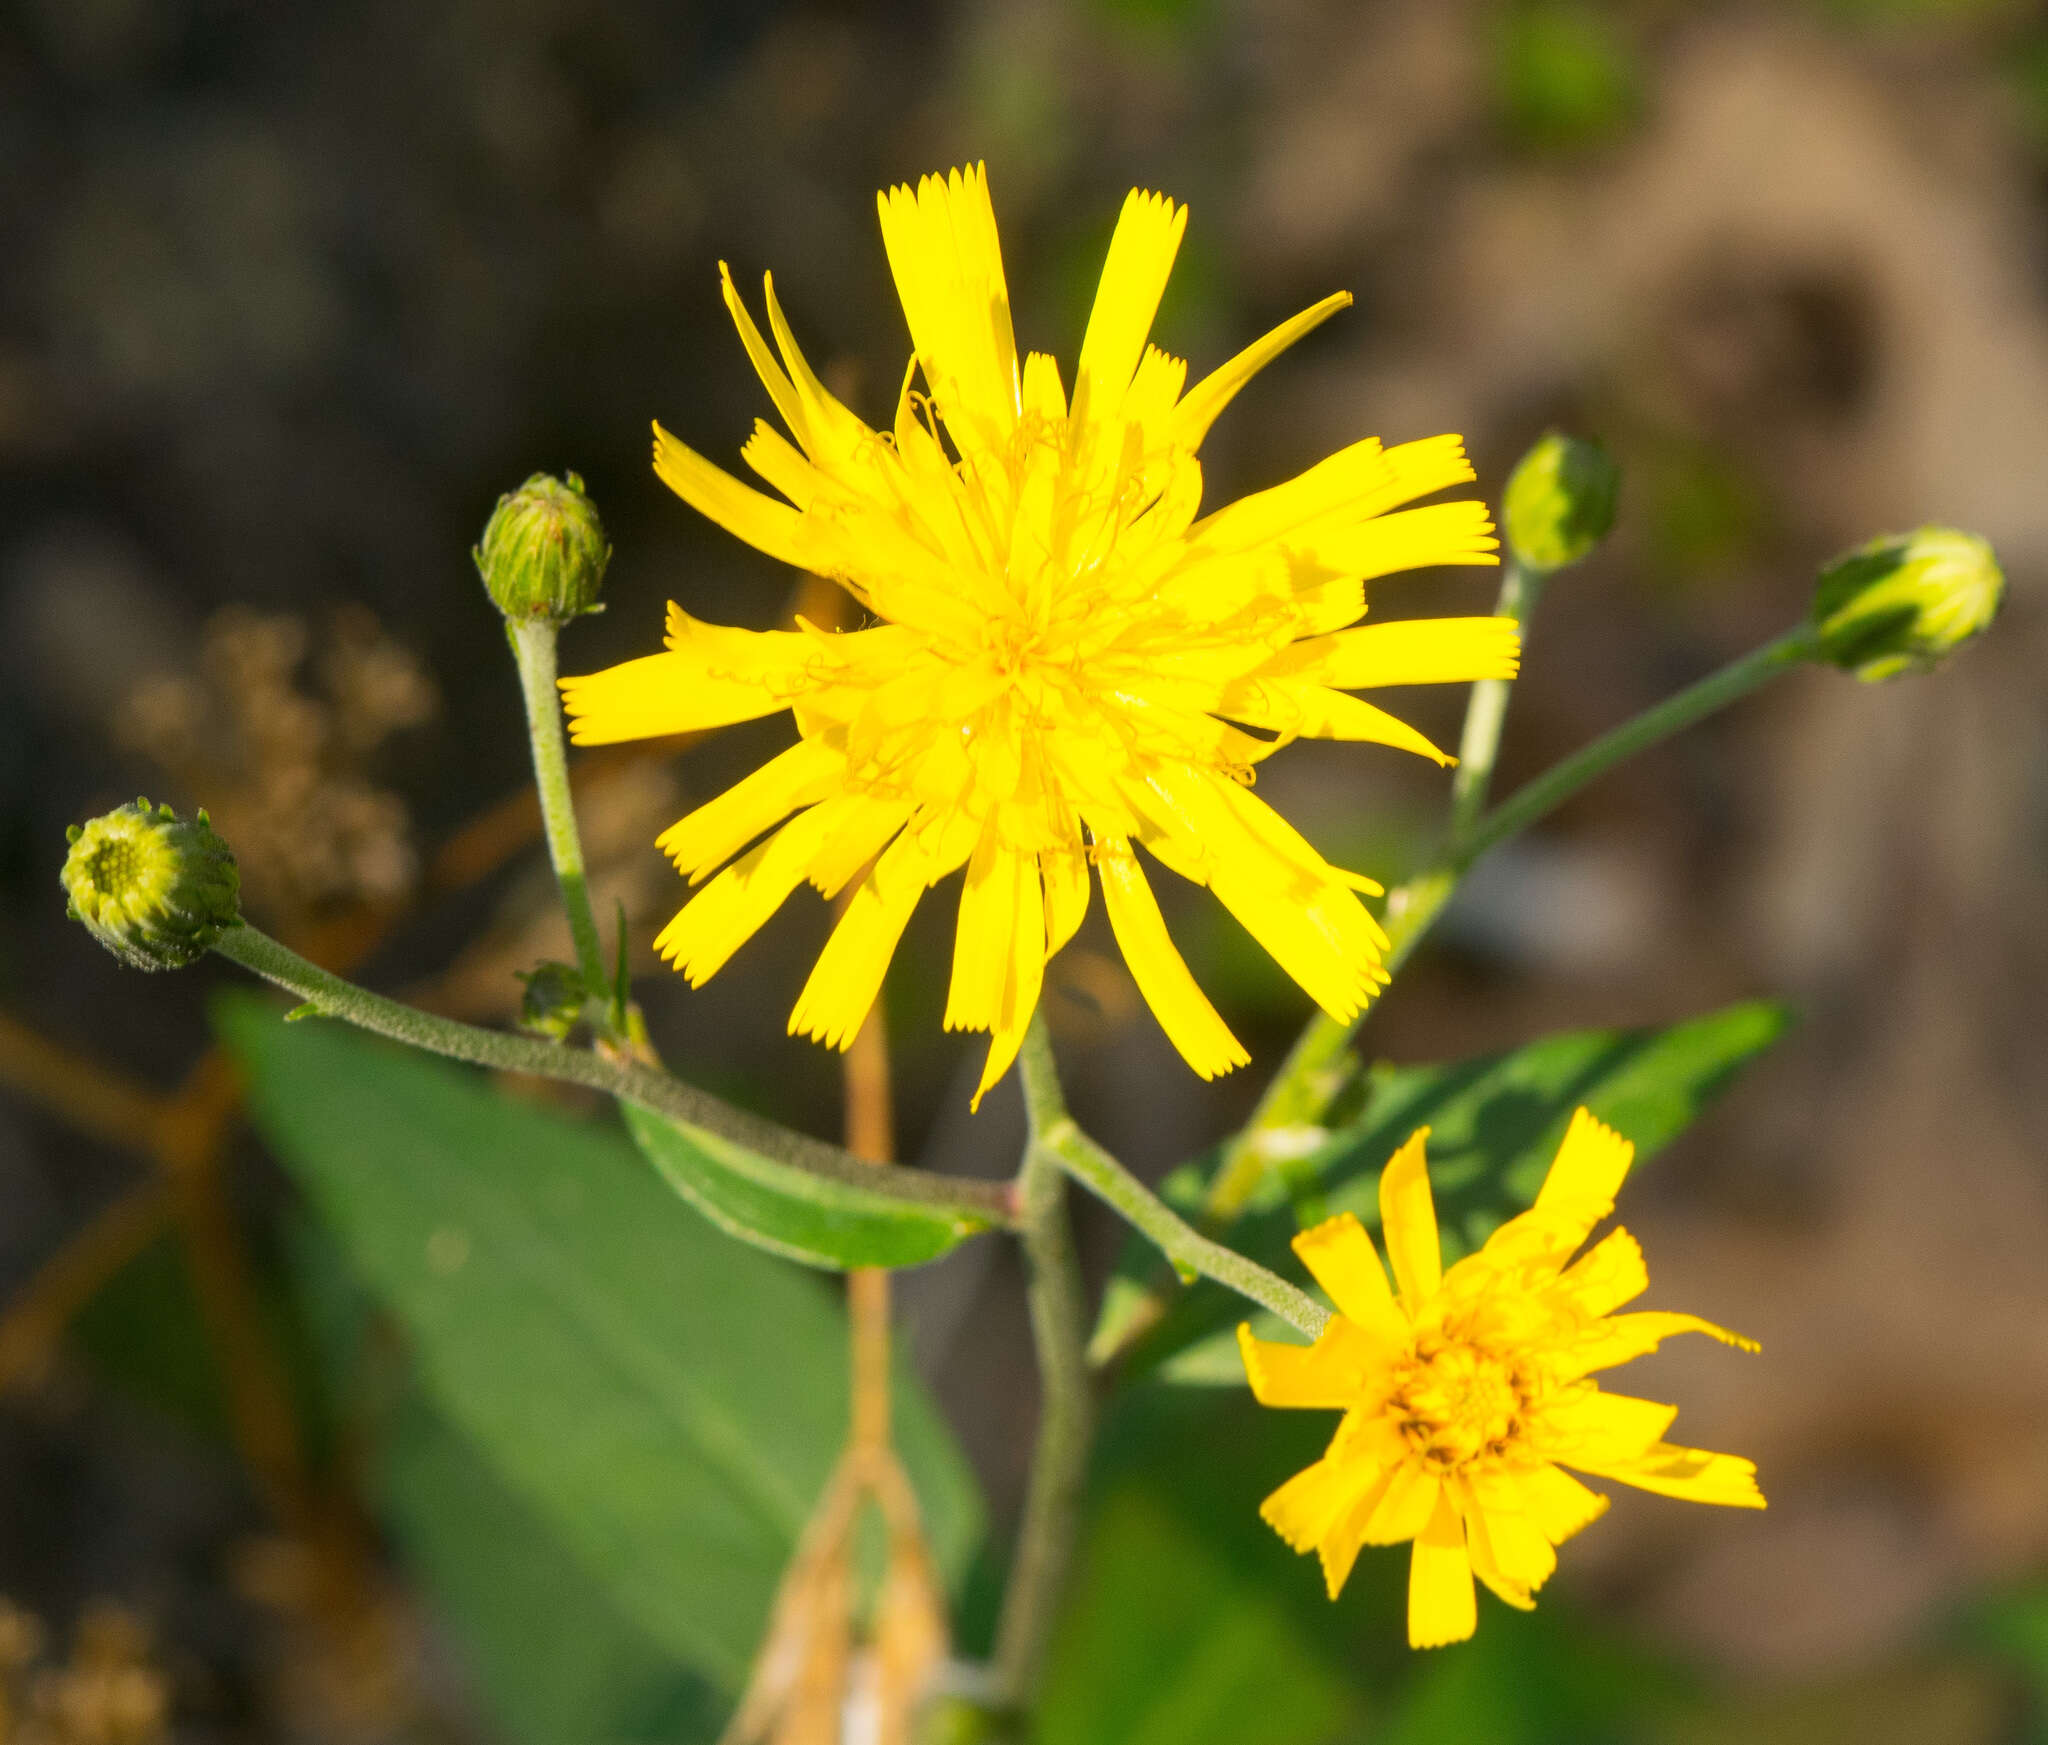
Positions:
{"x": 1465, "y": 1392}
{"x": 1063, "y": 660}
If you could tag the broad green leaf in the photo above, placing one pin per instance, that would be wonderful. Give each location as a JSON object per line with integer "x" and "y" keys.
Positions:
{"x": 667, "y": 1401}
{"x": 1495, "y": 1123}
{"x": 819, "y": 1220}
{"x": 554, "y": 1661}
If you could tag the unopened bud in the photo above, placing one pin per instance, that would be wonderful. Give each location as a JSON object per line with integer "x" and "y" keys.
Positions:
{"x": 155, "y": 889}
{"x": 1560, "y": 501}
{"x": 1905, "y": 600}
{"x": 543, "y": 553}
{"x": 553, "y": 1001}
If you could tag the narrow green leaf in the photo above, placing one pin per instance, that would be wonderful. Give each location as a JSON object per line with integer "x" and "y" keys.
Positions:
{"x": 666, "y": 1401}
{"x": 1495, "y": 1122}
{"x": 819, "y": 1220}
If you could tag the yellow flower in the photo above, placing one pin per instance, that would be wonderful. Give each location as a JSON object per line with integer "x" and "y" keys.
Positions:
{"x": 1465, "y": 1394}
{"x": 1063, "y": 661}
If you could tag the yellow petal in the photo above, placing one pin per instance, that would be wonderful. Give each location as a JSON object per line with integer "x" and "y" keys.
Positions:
{"x": 1410, "y": 1502}
{"x": 1335, "y": 496}
{"x": 1339, "y": 1547}
{"x": 780, "y": 389}
{"x": 1594, "y": 1429}
{"x": 1479, "y": 1546}
{"x": 1590, "y": 1166}
{"x": 1458, "y": 533}
{"x": 1340, "y": 1256}
{"x": 717, "y": 830}
{"x": 848, "y": 974}
{"x": 1620, "y": 1338}
{"x": 835, "y": 438}
{"x": 711, "y": 676}
{"x": 1208, "y": 397}
{"x": 732, "y": 907}
{"x": 1148, "y": 233}
{"x": 1412, "y": 651}
{"x": 1607, "y": 1275}
{"x": 1521, "y": 1555}
{"x": 1291, "y": 901}
{"x": 948, "y": 265}
{"x": 1303, "y": 1509}
{"x": 1554, "y": 1502}
{"x": 1691, "y": 1474}
{"x": 1065, "y": 876}
{"x": 1441, "y": 1604}
{"x": 1329, "y": 1375}
{"x": 1023, "y": 976}
{"x": 981, "y": 941}
{"x": 1302, "y": 708}
{"x": 1183, "y": 1010}
{"x": 762, "y": 522}
{"x": 1408, "y": 1224}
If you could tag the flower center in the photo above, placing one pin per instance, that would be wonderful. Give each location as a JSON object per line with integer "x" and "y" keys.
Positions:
{"x": 1459, "y": 1401}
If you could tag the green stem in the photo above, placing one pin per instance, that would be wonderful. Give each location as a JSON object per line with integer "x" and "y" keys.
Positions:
{"x": 331, "y": 997}
{"x": 1487, "y": 708}
{"x": 1695, "y": 703}
{"x": 1177, "y": 1239}
{"x": 1066, "y": 1416}
{"x": 533, "y": 646}
{"x": 1296, "y": 1094}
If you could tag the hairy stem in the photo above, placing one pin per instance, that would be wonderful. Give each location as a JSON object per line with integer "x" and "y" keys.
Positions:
{"x": 533, "y": 646}
{"x": 1688, "y": 707}
{"x": 332, "y": 997}
{"x": 1066, "y": 1414}
{"x": 1487, "y": 708}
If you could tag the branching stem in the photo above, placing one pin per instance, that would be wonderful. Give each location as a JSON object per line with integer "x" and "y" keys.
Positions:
{"x": 1066, "y": 1413}
{"x": 332, "y": 997}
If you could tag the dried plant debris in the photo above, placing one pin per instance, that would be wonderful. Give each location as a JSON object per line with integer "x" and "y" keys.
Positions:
{"x": 111, "y": 1691}
{"x": 278, "y": 735}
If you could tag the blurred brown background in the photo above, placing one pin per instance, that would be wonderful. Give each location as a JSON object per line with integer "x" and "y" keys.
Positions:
{"x": 291, "y": 292}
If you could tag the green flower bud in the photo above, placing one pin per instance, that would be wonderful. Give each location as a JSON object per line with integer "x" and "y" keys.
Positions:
{"x": 544, "y": 552}
{"x": 1903, "y": 601}
{"x": 553, "y": 1000}
{"x": 155, "y": 889}
{"x": 1559, "y": 502}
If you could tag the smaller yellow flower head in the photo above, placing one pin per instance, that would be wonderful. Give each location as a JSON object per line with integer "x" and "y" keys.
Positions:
{"x": 1466, "y": 1392}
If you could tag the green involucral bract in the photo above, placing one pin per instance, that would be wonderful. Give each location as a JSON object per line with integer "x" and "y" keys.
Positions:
{"x": 155, "y": 889}
{"x": 1903, "y": 602}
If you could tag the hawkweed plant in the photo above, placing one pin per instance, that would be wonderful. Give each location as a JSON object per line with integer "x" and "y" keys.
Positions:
{"x": 1055, "y": 669}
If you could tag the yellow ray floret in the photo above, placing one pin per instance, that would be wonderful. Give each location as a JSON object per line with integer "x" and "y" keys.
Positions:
{"x": 1466, "y": 1391}
{"x": 1060, "y": 663}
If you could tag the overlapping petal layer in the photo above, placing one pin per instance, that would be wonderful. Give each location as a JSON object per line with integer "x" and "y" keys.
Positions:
{"x": 1064, "y": 666}
{"x": 1466, "y": 1391}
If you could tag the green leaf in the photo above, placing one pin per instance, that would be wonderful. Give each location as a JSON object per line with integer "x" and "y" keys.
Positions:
{"x": 666, "y": 1401}
{"x": 1165, "y": 1642}
{"x": 1495, "y": 1123}
{"x": 816, "y": 1219}
{"x": 1537, "y": 1678}
{"x": 554, "y": 1660}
